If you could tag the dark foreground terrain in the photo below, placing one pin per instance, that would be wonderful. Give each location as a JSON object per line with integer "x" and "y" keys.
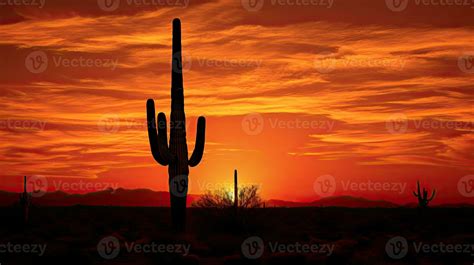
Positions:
{"x": 120, "y": 235}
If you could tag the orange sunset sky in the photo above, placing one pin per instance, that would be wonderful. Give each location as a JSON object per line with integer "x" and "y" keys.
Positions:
{"x": 291, "y": 92}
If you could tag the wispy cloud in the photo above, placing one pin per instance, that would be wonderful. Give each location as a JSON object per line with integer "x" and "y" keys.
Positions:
{"x": 353, "y": 70}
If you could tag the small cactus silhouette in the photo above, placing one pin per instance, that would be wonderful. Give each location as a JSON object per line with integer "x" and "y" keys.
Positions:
{"x": 236, "y": 190}
{"x": 25, "y": 202}
{"x": 423, "y": 199}
{"x": 175, "y": 155}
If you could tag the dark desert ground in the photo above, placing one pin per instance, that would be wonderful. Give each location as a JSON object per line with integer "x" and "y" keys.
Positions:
{"x": 358, "y": 236}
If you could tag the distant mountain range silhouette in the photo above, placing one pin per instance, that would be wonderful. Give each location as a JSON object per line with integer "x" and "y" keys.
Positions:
{"x": 109, "y": 197}
{"x": 149, "y": 198}
{"x": 353, "y": 202}
{"x": 339, "y": 201}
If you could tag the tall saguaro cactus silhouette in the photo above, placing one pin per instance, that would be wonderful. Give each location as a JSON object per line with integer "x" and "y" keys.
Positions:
{"x": 25, "y": 201}
{"x": 175, "y": 154}
{"x": 423, "y": 199}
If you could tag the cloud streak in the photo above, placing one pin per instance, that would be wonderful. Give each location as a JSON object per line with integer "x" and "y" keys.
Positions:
{"x": 288, "y": 64}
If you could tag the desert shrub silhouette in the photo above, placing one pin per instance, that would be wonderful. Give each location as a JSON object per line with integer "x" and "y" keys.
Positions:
{"x": 229, "y": 210}
{"x": 423, "y": 199}
{"x": 175, "y": 155}
{"x": 219, "y": 211}
{"x": 218, "y": 199}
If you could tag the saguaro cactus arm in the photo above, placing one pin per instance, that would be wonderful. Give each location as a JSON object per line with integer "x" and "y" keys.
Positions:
{"x": 418, "y": 188}
{"x": 200, "y": 141}
{"x": 157, "y": 135}
{"x": 432, "y": 195}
